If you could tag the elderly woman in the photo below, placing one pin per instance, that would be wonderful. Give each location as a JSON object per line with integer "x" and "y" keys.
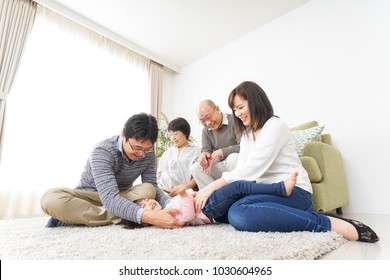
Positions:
{"x": 174, "y": 168}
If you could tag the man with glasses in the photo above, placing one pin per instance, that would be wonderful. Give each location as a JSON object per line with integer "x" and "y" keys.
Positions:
{"x": 220, "y": 146}
{"x": 105, "y": 193}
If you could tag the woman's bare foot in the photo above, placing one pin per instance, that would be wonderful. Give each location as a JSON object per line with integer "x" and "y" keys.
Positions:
{"x": 290, "y": 183}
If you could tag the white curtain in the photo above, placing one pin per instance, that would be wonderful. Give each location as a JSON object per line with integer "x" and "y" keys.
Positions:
{"x": 16, "y": 20}
{"x": 74, "y": 88}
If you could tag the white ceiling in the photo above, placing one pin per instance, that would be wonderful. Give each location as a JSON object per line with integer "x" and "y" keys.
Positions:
{"x": 173, "y": 32}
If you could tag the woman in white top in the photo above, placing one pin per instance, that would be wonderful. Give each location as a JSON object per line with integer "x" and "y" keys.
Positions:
{"x": 174, "y": 167}
{"x": 268, "y": 155}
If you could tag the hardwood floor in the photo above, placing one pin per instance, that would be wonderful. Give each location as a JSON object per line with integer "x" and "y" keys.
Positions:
{"x": 353, "y": 250}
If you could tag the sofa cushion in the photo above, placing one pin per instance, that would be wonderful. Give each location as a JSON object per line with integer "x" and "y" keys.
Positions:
{"x": 302, "y": 137}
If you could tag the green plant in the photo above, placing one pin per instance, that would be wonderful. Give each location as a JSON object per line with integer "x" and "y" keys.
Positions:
{"x": 164, "y": 142}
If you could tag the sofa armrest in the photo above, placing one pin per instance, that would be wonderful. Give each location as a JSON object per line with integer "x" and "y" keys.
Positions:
{"x": 332, "y": 191}
{"x": 327, "y": 139}
{"x": 312, "y": 168}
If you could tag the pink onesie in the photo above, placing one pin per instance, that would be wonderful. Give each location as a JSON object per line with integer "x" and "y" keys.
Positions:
{"x": 186, "y": 205}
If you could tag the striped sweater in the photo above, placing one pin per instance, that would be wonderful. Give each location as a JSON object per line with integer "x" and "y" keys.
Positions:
{"x": 108, "y": 171}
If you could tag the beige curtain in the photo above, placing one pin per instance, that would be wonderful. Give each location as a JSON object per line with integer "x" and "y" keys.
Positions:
{"x": 156, "y": 73}
{"x": 21, "y": 198}
{"x": 16, "y": 20}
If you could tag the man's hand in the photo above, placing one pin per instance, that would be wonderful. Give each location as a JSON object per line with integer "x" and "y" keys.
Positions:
{"x": 215, "y": 156}
{"x": 162, "y": 218}
{"x": 204, "y": 160}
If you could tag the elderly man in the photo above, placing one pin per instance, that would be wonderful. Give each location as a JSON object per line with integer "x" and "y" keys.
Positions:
{"x": 220, "y": 146}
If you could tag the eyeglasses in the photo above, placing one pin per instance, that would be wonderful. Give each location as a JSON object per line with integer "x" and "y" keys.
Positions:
{"x": 174, "y": 134}
{"x": 207, "y": 118}
{"x": 139, "y": 150}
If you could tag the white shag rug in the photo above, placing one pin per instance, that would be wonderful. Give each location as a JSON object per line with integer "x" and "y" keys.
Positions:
{"x": 28, "y": 239}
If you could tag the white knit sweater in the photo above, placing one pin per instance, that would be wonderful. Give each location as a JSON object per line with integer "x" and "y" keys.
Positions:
{"x": 270, "y": 158}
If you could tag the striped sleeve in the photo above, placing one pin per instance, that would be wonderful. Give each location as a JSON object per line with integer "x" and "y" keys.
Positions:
{"x": 103, "y": 165}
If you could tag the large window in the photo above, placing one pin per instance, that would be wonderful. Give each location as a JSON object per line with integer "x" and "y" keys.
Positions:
{"x": 73, "y": 89}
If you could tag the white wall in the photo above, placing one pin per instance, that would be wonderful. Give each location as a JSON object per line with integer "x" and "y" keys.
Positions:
{"x": 329, "y": 61}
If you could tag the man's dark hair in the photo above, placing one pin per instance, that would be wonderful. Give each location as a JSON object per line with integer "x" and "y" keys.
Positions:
{"x": 180, "y": 124}
{"x": 141, "y": 127}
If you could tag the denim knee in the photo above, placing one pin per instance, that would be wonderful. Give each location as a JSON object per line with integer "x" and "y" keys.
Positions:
{"x": 238, "y": 218}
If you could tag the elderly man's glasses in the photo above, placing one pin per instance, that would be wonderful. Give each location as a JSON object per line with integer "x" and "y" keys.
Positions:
{"x": 139, "y": 150}
{"x": 207, "y": 118}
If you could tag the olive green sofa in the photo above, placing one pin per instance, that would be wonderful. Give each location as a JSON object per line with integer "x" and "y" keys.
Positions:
{"x": 324, "y": 164}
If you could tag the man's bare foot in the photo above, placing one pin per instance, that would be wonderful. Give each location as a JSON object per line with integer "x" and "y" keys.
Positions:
{"x": 290, "y": 183}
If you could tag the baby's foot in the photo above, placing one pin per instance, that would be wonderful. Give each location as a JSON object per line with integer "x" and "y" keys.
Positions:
{"x": 204, "y": 218}
{"x": 290, "y": 183}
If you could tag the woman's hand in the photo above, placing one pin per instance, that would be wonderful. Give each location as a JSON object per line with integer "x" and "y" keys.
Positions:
{"x": 201, "y": 197}
{"x": 179, "y": 189}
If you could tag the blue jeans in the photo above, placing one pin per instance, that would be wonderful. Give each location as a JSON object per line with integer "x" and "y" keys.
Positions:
{"x": 250, "y": 206}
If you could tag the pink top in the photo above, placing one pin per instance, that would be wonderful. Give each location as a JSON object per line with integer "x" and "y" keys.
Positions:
{"x": 187, "y": 210}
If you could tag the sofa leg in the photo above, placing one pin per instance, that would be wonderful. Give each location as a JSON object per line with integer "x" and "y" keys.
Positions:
{"x": 339, "y": 210}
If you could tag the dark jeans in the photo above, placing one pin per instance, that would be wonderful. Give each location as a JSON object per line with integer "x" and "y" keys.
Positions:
{"x": 250, "y": 206}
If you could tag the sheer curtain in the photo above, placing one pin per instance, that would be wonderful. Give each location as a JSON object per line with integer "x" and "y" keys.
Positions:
{"x": 73, "y": 89}
{"x": 16, "y": 21}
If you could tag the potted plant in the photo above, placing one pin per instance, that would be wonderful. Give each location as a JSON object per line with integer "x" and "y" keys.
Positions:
{"x": 164, "y": 142}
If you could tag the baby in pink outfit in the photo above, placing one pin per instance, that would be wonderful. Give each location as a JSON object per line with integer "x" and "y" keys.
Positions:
{"x": 184, "y": 202}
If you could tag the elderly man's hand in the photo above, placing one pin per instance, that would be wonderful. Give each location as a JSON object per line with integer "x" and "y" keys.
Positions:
{"x": 204, "y": 160}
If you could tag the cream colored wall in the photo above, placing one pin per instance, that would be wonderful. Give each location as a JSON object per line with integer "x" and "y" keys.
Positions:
{"x": 329, "y": 61}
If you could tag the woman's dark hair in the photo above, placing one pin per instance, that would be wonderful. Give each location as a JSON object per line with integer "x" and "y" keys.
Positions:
{"x": 141, "y": 127}
{"x": 180, "y": 124}
{"x": 260, "y": 108}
